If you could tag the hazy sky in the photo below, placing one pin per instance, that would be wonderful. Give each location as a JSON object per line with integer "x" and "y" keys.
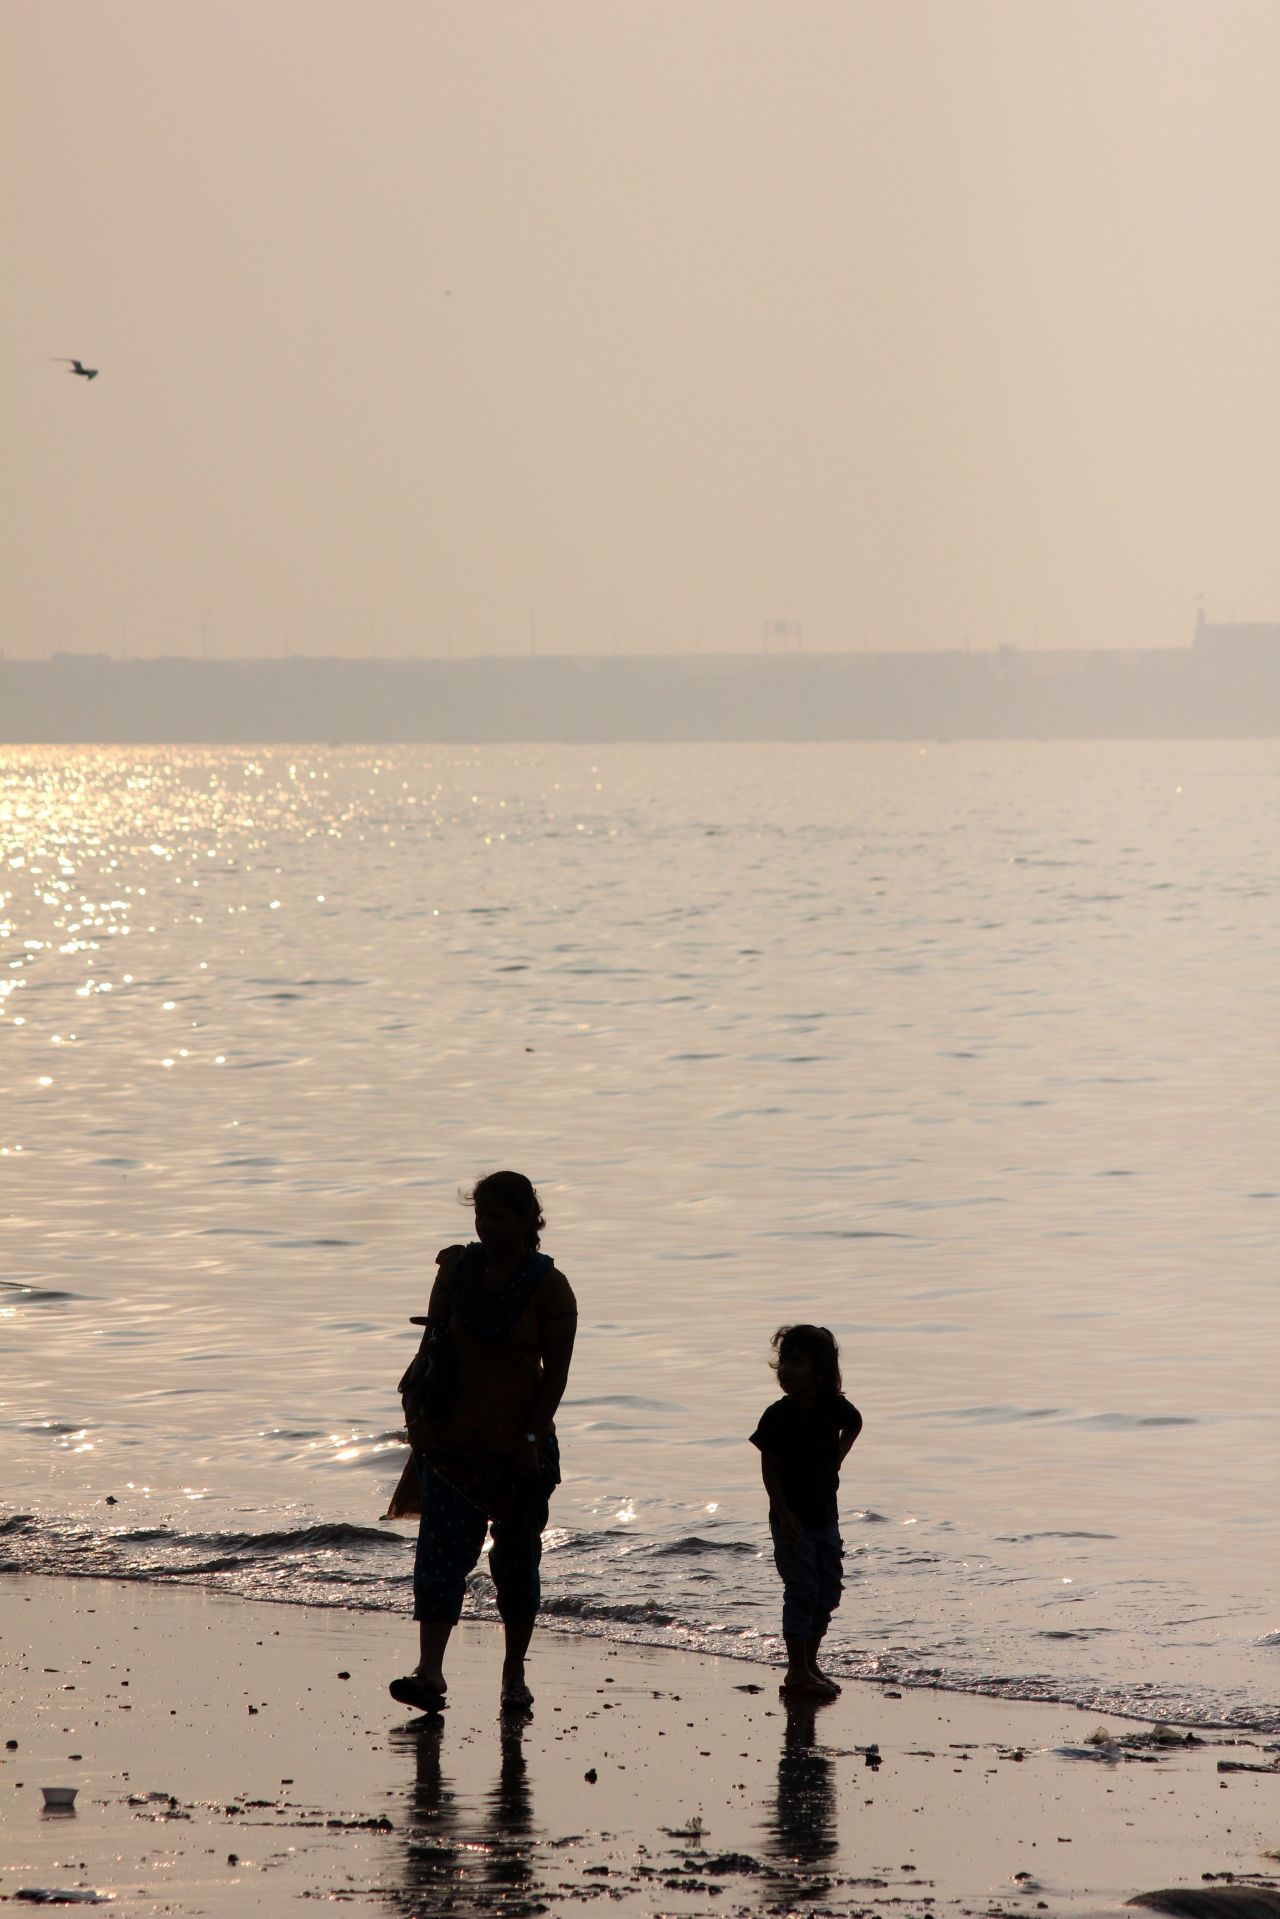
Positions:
{"x": 914, "y": 321}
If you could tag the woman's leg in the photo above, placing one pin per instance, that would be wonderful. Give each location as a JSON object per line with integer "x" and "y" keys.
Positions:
{"x": 517, "y": 1634}
{"x": 433, "y": 1637}
{"x": 450, "y": 1536}
{"x": 513, "y": 1562}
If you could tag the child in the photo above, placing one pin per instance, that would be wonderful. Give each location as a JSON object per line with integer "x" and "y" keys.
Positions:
{"x": 803, "y": 1438}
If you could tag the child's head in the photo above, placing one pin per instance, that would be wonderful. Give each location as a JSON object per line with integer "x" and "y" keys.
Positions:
{"x": 806, "y": 1358}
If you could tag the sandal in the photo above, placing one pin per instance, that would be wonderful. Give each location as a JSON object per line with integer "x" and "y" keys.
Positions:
{"x": 413, "y": 1690}
{"x": 516, "y": 1696}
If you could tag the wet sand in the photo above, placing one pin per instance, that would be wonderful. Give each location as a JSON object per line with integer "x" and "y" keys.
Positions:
{"x": 239, "y": 1758}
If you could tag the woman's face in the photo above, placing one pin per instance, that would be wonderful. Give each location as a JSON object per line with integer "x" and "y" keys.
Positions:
{"x": 499, "y": 1230}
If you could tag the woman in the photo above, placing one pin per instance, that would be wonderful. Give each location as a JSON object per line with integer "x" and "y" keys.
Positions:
{"x": 489, "y": 1456}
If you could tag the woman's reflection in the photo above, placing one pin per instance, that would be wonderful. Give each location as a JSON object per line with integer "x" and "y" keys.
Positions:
{"x": 453, "y": 1864}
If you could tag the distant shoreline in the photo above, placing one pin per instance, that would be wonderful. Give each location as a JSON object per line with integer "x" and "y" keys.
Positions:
{"x": 1198, "y": 692}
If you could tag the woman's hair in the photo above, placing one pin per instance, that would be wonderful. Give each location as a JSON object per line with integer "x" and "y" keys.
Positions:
{"x": 819, "y": 1347}
{"x": 513, "y": 1192}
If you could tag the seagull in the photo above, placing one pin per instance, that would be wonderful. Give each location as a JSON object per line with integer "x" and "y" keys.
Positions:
{"x": 77, "y": 366}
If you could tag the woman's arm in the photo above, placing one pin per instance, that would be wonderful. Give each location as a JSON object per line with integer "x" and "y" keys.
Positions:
{"x": 558, "y": 1336}
{"x": 440, "y": 1304}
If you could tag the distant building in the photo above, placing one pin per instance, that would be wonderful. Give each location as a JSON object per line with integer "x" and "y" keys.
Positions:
{"x": 1255, "y": 640}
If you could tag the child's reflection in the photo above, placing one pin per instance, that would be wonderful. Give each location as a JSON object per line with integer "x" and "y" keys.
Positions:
{"x": 802, "y": 1828}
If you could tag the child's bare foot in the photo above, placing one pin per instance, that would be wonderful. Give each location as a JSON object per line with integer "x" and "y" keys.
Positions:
{"x": 803, "y": 1681}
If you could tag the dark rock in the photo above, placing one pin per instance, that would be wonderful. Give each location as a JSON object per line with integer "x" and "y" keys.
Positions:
{"x": 1213, "y": 1902}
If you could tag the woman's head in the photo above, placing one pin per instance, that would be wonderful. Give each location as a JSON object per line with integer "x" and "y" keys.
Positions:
{"x": 806, "y": 1357}
{"x": 508, "y": 1213}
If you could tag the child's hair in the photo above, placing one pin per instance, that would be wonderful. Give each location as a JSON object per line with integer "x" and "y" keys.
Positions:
{"x": 818, "y": 1345}
{"x": 515, "y": 1193}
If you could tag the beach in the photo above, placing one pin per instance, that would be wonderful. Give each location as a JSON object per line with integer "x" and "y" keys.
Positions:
{"x": 233, "y": 1756}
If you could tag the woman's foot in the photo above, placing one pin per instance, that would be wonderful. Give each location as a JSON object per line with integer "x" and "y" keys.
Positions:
{"x": 516, "y": 1696}
{"x": 828, "y": 1684}
{"x": 417, "y": 1689}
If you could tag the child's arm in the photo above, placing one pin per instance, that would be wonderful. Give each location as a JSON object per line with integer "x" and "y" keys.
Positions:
{"x": 772, "y": 1476}
{"x": 849, "y": 1434}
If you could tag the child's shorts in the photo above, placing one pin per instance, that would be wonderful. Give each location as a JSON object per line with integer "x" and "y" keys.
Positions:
{"x": 812, "y": 1575}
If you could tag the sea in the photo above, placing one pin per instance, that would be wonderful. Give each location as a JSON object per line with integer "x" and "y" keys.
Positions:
{"x": 964, "y": 1050}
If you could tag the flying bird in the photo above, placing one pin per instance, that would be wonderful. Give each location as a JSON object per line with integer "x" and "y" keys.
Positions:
{"x": 77, "y": 366}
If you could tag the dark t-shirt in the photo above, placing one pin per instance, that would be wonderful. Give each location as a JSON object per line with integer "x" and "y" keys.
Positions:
{"x": 806, "y": 1441}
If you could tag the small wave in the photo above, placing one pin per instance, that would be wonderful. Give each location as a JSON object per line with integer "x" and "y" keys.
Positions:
{"x": 835, "y": 1232}
{"x": 1133, "y": 1422}
{"x": 203, "y": 1568}
{"x": 1084, "y": 1632}
{"x": 17, "y": 1291}
{"x": 996, "y": 1415}
{"x": 336, "y": 1536}
{"x": 694, "y": 1547}
{"x": 1022, "y": 1539}
{"x": 235, "y": 1232}
{"x": 641, "y": 1612}
{"x": 299, "y": 1539}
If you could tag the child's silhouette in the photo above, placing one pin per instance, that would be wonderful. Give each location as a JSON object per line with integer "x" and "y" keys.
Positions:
{"x": 803, "y": 1438}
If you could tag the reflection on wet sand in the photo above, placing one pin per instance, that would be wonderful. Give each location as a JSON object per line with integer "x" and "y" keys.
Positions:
{"x": 456, "y": 1863}
{"x": 801, "y": 1824}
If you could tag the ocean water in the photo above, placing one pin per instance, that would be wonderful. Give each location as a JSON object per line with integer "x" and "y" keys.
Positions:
{"x": 967, "y": 1051}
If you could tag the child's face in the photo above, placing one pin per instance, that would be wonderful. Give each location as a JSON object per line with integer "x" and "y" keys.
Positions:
{"x": 797, "y": 1374}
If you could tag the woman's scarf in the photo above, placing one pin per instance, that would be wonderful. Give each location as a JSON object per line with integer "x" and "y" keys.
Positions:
{"x": 488, "y": 1316}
